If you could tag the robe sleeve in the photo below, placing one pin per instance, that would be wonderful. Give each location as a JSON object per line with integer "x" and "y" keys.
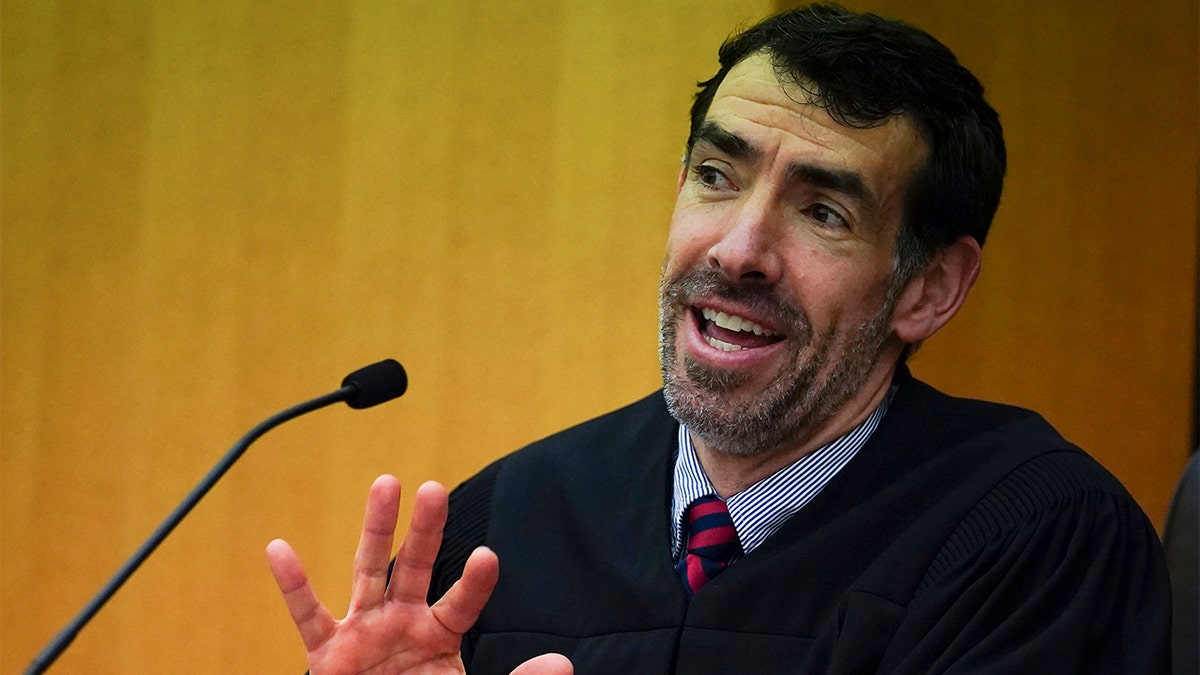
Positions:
{"x": 466, "y": 529}
{"x": 1056, "y": 571}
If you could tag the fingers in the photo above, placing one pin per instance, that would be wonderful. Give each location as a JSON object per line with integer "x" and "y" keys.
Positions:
{"x": 546, "y": 664}
{"x": 418, "y": 551}
{"x": 314, "y": 622}
{"x": 375, "y": 544}
{"x": 458, "y": 609}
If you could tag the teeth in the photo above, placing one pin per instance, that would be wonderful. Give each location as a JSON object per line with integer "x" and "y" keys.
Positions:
{"x": 734, "y": 323}
{"x": 722, "y": 345}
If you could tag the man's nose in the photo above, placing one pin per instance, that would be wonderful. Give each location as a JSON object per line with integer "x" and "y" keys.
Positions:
{"x": 747, "y": 250}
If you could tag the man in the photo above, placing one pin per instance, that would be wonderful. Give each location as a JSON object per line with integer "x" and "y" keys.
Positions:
{"x": 793, "y": 501}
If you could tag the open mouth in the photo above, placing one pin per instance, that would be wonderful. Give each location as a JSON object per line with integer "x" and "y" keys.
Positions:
{"x": 730, "y": 332}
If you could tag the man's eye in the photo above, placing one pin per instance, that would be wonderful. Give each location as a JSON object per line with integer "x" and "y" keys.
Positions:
{"x": 711, "y": 178}
{"x": 826, "y": 216}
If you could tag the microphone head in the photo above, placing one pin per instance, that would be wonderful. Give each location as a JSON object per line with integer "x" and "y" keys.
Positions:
{"x": 376, "y": 383}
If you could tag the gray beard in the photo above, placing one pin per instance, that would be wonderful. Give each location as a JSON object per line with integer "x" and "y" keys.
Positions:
{"x": 820, "y": 374}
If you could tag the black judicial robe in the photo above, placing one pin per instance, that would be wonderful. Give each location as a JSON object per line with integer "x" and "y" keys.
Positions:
{"x": 964, "y": 537}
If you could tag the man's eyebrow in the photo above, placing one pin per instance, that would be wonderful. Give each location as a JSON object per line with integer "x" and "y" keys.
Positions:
{"x": 726, "y": 141}
{"x": 849, "y": 183}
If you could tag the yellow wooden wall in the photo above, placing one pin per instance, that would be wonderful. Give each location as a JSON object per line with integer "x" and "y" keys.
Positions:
{"x": 214, "y": 209}
{"x": 211, "y": 210}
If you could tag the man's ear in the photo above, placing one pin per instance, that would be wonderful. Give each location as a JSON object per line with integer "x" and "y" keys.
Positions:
{"x": 682, "y": 175}
{"x": 933, "y": 296}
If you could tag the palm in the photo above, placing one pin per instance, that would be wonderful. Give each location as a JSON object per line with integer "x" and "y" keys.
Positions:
{"x": 365, "y": 642}
{"x": 389, "y": 628}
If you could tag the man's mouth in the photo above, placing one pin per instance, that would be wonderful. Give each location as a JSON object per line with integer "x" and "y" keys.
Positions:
{"x": 730, "y": 332}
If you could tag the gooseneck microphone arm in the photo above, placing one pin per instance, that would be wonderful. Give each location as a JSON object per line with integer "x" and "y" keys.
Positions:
{"x": 366, "y": 387}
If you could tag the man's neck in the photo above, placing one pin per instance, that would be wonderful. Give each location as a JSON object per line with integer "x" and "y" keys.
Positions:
{"x": 731, "y": 473}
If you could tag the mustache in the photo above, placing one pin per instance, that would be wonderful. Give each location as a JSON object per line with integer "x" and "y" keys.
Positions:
{"x": 686, "y": 289}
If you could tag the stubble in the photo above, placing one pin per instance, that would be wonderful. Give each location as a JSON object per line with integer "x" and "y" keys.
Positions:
{"x": 820, "y": 371}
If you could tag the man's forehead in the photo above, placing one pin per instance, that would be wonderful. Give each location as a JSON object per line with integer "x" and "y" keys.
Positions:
{"x": 757, "y": 80}
{"x": 757, "y": 69}
{"x": 753, "y": 95}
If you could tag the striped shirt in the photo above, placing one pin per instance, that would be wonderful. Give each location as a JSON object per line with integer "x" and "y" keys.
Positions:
{"x": 761, "y": 509}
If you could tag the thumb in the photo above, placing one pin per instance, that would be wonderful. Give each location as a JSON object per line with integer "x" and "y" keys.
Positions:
{"x": 546, "y": 664}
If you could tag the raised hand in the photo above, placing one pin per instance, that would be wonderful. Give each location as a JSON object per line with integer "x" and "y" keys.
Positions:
{"x": 389, "y": 628}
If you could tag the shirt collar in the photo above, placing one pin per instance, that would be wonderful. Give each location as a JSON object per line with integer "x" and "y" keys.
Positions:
{"x": 761, "y": 509}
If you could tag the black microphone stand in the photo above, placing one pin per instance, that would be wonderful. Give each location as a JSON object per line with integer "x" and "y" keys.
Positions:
{"x": 67, "y": 635}
{"x": 363, "y": 388}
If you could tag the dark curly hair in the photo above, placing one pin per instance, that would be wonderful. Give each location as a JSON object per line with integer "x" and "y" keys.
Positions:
{"x": 863, "y": 70}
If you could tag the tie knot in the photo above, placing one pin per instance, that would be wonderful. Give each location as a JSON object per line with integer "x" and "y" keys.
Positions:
{"x": 710, "y": 530}
{"x": 711, "y": 542}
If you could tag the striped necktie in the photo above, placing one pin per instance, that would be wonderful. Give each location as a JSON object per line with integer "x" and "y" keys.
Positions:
{"x": 711, "y": 543}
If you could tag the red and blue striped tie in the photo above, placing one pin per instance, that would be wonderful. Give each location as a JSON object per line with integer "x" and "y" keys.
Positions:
{"x": 711, "y": 543}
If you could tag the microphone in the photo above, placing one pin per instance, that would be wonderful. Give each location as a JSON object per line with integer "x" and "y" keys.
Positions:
{"x": 365, "y": 387}
{"x": 375, "y": 384}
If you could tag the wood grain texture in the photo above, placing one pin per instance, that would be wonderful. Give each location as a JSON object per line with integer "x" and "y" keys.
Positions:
{"x": 211, "y": 210}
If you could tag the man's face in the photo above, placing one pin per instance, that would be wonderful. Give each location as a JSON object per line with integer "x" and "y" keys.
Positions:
{"x": 775, "y": 299}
